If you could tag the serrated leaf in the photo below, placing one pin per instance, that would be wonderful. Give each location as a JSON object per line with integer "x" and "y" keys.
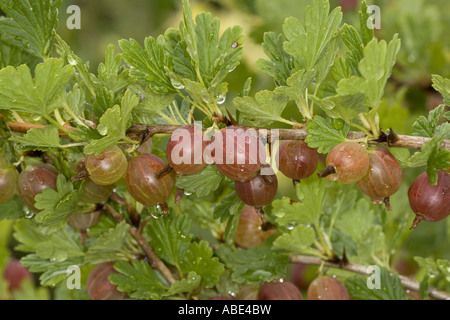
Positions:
{"x": 138, "y": 279}
{"x": 289, "y": 214}
{"x": 367, "y": 33}
{"x": 356, "y": 221}
{"x": 114, "y": 124}
{"x": 426, "y": 127}
{"x": 264, "y": 109}
{"x": 442, "y": 85}
{"x": 13, "y": 209}
{"x": 109, "y": 245}
{"x": 57, "y": 205}
{"x": 52, "y": 273}
{"x": 199, "y": 259}
{"x": 40, "y": 139}
{"x": 391, "y": 287}
{"x": 202, "y": 183}
{"x": 296, "y": 85}
{"x": 187, "y": 285}
{"x": 30, "y": 25}
{"x": 171, "y": 237}
{"x": 59, "y": 247}
{"x": 257, "y": 265}
{"x": 354, "y": 43}
{"x": 322, "y": 136}
{"x": 41, "y": 95}
{"x": 281, "y": 64}
{"x": 309, "y": 43}
{"x": 148, "y": 63}
{"x": 371, "y": 244}
{"x": 345, "y": 107}
{"x": 297, "y": 241}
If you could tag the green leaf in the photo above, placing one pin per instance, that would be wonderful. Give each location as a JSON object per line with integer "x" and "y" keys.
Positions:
{"x": 297, "y": 241}
{"x": 290, "y": 214}
{"x": 199, "y": 259}
{"x": 354, "y": 43}
{"x": 138, "y": 279}
{"x": 187, "y": 285}
{"x": 13, "y": 209}
{"x": 367, "y": 34}
{"x": 228, "y": 206}
{"x": 257, "y": 265}
{"x": 114, "y": 124}
{"x": 171, "y": 237}
{"x": 13, "y": 56}
{"x": 110, "y": 245}
{"x": 30, "y": 25}
{"x": 435, "y": 267}
{"x": 375, "y": 68}
{"x": 41, "y": 95}
{"x": 40, "y": 139}
{"x": 281, "y": 64}
{"x": 57, "y": 205}
{"x": 322, "y": 136}
{"x": 426, "y": 127}
{"x": 59, "y": 247}
{"x": 431, "y": 156}
{"x": 211, "y": 56}
{"x": 148, "y": 63}
{"x": 371, "y": 244}
{"x": 262, "y": 110}
{"x": 391, "y": 287}
{"x": 308, "y": 43}
{"x": 442, "y": 85}
{"x": 52, "y": 273}
{"x": 296, "y": 85}
{"x": 203, "y": 183}
{"x": 356, "y": 221}
{"x": 343, "y": 106}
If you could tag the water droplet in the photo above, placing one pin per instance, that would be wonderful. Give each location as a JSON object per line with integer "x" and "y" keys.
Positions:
{"x": 187, "y": 193}
{"x": 28, "y": 213}
{"x": 232, "y": 69}
{"x": 177, "y": 85}
{"x": 53, "y": 259}
{"x": 221, "y": 99}
{"x": 72, "y": 60}
{"x": 290, "y": 226}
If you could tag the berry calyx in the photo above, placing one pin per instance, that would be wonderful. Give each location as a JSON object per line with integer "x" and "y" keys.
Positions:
{"x": 296, "y": 160}
{"x": 145, "y": 183}
{"x": 430, "y": 203}
{"x": 185, "y": 150}
{"x": 327, "y": 288}
{"x": 347, "y": 163}
{"x": 383, "y": 178}
{"x": 108, "y": 167}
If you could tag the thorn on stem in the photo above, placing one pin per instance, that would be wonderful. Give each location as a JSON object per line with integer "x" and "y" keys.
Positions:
{"x": 179, "y": 195}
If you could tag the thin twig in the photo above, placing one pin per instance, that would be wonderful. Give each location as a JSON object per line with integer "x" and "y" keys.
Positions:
{"x": 360, "y": 269}
{"x": 402, "y": 141}
{"x": 155, "y": 262}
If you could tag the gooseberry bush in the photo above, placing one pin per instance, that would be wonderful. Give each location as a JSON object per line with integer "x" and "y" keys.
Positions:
{"x": 157, "y": 182}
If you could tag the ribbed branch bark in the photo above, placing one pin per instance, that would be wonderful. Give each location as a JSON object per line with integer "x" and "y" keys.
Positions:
{"x": 406, "y": 282}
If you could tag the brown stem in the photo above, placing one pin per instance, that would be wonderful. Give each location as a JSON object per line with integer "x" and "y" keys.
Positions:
{"x": 326, "y": 172}
{"x": 153, "y": 259}
{"x": 419, "y": 218}
{"x": 143, "y": 130}
{"x": 179, "y": 195}
{"x": 360, "y": 269}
